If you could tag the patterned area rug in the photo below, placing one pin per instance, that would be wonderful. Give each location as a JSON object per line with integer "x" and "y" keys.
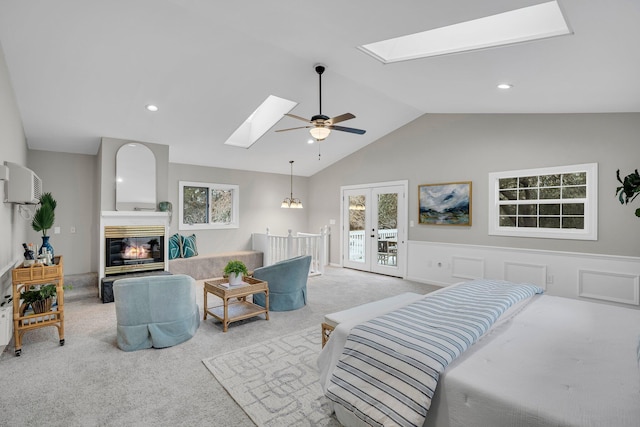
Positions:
{"x": 276, "y": 382}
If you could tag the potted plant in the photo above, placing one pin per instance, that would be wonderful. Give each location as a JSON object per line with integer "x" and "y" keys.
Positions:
{"x": 40, "y": 298}
{"x": 629, "y": 189}
{"x": 235, "y": 270}
{"x": 43, "y": 220}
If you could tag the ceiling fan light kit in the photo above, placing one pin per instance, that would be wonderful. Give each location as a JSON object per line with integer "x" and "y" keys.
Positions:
{"x": 319, "y": 133}
{"x": 290, "y": 202}
{"x": 320, "y": 126}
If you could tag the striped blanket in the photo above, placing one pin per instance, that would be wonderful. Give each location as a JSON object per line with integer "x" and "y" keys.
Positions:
{"x": 390, "y": 365}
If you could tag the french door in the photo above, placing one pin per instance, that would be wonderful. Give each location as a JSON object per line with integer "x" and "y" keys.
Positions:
{"x": 374, "y": 227}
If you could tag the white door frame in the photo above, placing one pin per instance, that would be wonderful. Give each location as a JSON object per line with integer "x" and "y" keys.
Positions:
{"x": 403, "y": 221}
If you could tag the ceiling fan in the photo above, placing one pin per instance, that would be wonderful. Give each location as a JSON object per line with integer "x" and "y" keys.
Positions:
{"x": 320, "y": 125}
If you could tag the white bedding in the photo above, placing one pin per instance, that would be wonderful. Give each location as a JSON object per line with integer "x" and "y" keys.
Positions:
{"x": 557, "y": 362}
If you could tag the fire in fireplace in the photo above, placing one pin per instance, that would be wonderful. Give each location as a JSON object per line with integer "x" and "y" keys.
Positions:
{"x": 133, "y": 248}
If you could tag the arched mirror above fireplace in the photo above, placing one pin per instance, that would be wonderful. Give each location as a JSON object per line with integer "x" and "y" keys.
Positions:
{"x": 135, "y": 178}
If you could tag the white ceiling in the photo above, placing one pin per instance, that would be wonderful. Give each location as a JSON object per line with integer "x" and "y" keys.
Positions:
{"x": 84, "y": 69}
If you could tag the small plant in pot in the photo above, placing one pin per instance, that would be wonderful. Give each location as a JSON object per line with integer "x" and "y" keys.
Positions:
{"x": 235, "y": 270}
{"x": 40, "y": 298}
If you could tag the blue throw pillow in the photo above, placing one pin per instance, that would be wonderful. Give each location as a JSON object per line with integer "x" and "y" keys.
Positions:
{"x": 174, "y": 247}
{"x": 189, "y": 247}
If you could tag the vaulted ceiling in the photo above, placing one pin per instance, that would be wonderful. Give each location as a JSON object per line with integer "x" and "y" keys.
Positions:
{"x": 84, "y": 69}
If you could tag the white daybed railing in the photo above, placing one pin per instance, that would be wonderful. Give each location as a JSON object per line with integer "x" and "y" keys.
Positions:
{"x": 279, "y": 248}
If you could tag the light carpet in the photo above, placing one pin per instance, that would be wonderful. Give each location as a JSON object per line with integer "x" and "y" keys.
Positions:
{"x": 276, "y": 381}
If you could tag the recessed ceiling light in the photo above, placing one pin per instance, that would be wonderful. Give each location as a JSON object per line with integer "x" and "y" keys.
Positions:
{"x": 311, "y": 141}
{"x": 520, "y": 25}
{"x": 151, "y": 107}
{"x": 260, "y": 121}
{"x": 505, "y": 86}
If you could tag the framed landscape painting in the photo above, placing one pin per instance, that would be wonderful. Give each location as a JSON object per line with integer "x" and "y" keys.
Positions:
{"x": 445, "y": 204}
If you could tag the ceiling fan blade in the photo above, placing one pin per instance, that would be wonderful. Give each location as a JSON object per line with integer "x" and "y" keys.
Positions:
{"x": 345, "y": 129}
{"x": 301, "y": 127}
{"x": 297, "y": 117}
{"x": 342, "y": 118}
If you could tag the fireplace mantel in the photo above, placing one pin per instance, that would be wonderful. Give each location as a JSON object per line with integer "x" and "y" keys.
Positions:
{"x": 110, "y": 218}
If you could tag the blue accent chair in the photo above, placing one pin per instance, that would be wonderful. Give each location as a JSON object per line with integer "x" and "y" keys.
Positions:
{"x": 287, "y": 283}
{"x": 155, "y": 311}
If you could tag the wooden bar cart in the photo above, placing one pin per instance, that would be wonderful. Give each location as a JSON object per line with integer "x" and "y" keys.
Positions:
{"x": 24, "y": 278}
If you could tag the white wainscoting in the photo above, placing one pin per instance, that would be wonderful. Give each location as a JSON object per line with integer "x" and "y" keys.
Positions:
{"x": 605, "y": 278}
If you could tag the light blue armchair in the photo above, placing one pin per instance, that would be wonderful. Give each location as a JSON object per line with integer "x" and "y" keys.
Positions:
{"x": 287, "y": 283}
{"x": 155, "y": 311}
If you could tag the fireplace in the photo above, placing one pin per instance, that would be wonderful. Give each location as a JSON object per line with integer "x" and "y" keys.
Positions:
{"x": 132, "y": 243}
{"x": 134, "y": 248}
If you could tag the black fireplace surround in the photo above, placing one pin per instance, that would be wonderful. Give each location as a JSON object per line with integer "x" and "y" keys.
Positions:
{"x": 132, "y": 251}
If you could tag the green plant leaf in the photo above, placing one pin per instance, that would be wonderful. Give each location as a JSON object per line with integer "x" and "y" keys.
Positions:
{"x": 43, "y": 219}
{"x": 235, "y": 266}
{"x": 47, "y": 199}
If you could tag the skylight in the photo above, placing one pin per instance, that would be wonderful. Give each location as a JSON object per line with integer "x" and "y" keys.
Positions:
{"x": 260, "y": 121}
{"x": 520, "y": 25}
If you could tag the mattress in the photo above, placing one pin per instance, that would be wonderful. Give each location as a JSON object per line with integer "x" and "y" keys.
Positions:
{"x": 552, "y": 362}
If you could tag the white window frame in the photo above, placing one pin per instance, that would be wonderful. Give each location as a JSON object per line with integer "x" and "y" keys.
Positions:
{"x": 235, "y": 209}
{"x": 590, "y": 231}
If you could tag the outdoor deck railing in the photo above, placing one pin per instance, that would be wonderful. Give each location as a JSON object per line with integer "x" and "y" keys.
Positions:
{"x": 357, "y": 242}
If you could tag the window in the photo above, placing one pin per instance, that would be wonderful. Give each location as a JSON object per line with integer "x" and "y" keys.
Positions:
{"x": 555, "y": 203}
{"x": 208, "y": 206}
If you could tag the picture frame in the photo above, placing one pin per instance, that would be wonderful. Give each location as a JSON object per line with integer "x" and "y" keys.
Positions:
{"x": 445, "y": 204}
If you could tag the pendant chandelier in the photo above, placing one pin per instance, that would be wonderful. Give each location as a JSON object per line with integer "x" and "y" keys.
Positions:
{"x": 290, "y": 202}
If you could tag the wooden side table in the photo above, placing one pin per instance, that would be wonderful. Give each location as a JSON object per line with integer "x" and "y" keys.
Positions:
{"x": 23, "y": 279}
{"x": 240, "y": 308}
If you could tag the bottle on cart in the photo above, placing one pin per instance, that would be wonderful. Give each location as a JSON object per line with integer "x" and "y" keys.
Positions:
{"x": 28, "y": 253}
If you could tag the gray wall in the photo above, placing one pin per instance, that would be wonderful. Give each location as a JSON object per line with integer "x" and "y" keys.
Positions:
{"x": 437, "y": 148}
{"x": 70, "y": 178}
{"x": 13, "y": 146}
{"x": 260, "y": 198}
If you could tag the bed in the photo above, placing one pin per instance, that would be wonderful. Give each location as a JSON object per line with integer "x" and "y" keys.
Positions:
{"x": 547, "y": 361}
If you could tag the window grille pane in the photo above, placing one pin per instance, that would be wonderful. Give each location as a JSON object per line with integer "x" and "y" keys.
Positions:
{"x": 528, "y": 210}
{"x": 550, "y": 209}
{"x": 550, "y": 222}
{"x": 550, "y": 181}
{"x": 573, "y": 222}
{"x": 528, "y": 181}
{"x": 508, "y": 183}
{"x": 528, "y": 194}
{"x": 579, "y": 178}
{"x": 573, "y": 209}
{"x": 574, "y": 192}
{"x": 509, "y": 195}
{"x": 507, "y": 221}
{"x": 195, "y": 205}
{"x": 508, "y": 209}
{"x": 527, "y": 221}
{"x": 549, "y": 193}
